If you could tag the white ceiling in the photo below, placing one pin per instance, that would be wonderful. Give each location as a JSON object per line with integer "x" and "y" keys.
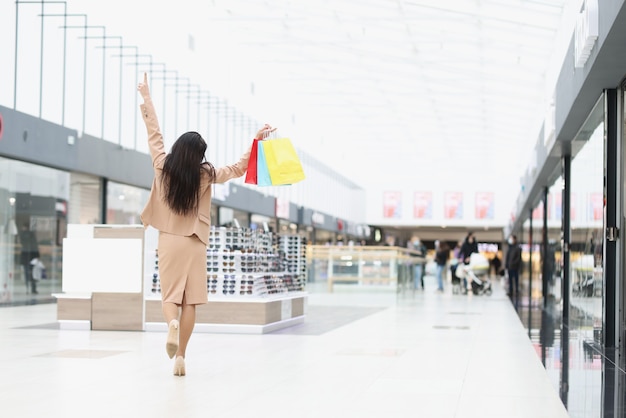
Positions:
{"x": 403, "y": 92}
{"x": 390, "y": 93}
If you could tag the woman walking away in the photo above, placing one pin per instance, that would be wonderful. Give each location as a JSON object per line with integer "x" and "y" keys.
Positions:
{"x": 179, "y": 207}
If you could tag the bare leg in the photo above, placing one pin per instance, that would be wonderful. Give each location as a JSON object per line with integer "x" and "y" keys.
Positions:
{"x": 170, "y": 311}
{"x": 187, "y": 322}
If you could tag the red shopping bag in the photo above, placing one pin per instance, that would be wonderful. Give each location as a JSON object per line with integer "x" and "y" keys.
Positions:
{"x": 251, "y": 176}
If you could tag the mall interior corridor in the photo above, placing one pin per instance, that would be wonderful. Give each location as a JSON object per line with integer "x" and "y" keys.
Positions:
{"x": 358, "y": 354}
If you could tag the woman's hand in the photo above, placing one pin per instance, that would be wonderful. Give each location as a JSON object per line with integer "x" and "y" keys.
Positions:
{"x": 264, "y": 132}
{"x": 143, "y": 88}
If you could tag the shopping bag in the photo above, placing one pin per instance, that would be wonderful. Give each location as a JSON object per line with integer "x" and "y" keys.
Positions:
{"x": 262, "y": 173}
{"x": 283, "y": 163}
{"x": 251, "y": 173}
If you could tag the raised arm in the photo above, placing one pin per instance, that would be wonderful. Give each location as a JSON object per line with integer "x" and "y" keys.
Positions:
{"x": 155, "y": 137}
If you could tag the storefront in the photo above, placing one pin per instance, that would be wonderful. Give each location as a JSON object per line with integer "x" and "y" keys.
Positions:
{"x": 321, "y": 227}
{"x": 49, "y": 179}
{"x": 569, "y": 219}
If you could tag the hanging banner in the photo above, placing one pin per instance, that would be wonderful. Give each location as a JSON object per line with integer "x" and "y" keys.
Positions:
{"x": 484, "y": 205}
{"x": 558, "y": 206}
{"x": 453, "y": 205}
{"x": 538, "y": 211}
{"x": 423, "y": 205}
{"x": 550, "y": 205}
{"x": 392, "y": 205}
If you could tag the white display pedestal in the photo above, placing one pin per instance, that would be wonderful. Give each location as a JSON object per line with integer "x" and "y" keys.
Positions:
{"x": 102, "y": 278}
{"x": 238, "y": 315}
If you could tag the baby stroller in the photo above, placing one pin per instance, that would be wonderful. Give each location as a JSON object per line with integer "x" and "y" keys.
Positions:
{"x": 467, "y": 272}
{"x": 481, "y": 286}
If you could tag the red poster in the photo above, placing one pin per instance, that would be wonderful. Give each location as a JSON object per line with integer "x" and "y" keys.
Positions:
{"x": 538, "y": 211}
{"x": 596, "y": 206}
{"x": 550, "y": 206}
{"x": 484, "y": 205}
{"x": 392, "y": 205}
{"x": 558, "y": 206}
{"x": 453, "y": 205}
{"x": 423, "y": 205}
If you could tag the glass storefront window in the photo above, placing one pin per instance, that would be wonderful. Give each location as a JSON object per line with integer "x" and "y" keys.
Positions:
{"x": 125, "y": 203}
{"x": 259, "y": 222}
{"x": 587, "y": 234}
{"x": 227, "y": 217}
{"x": 286, "y": 227}
{"x": 554, "y": 253}
{"x": 568, "y": 338}
{"x": 323, "y": 236}
{"x": 586, "y": 316}
{"x": 85, "y": 201}
{"x": 33, "y": 215}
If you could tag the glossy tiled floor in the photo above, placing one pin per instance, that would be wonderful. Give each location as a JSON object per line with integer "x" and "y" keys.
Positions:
{"x": 359, "y": 354}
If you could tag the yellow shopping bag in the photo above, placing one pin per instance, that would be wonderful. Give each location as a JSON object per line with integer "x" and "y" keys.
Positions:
{"x": 282, "y": 161}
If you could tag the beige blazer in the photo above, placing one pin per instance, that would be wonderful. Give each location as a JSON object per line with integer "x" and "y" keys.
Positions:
{"x": 156, "y": 212}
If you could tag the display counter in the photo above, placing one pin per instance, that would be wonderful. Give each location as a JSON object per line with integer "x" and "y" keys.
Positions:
{"x": 233, "y": 315}
{"x": 382, "y": 266}
{"x": 102, "y": 278}
{"x": 255, "y": 282}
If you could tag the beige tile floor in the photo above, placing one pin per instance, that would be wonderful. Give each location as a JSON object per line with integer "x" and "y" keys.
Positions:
{"x": 420, "y": 354}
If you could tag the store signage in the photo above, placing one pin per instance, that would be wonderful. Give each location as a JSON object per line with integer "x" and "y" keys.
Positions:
{"x": 1, "y": 126}
{"x": 317, "y": 218}
{"x": 61, "y": 207}
{"x": 282, "y": 208}
{"x": 586, "y": 32}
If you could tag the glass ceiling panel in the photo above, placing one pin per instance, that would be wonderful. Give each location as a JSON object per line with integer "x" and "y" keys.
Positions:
{"x": 448, "y": 76}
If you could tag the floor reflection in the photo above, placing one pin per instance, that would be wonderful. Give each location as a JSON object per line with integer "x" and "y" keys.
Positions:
{"x": 578, "y": 380}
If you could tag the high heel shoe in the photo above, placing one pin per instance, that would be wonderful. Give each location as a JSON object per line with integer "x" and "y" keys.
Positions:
{"x": 179, "y": 366}
{"x": 172, "y": 338}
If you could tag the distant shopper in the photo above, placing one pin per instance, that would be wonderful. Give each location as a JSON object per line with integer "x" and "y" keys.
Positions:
{"x": 496, "y": 264}
{"x": 469, "y": 247}
{"x": 456, "y": 259}
{"x": 390, "y": 241}
{"x": 419, "y": 250}
{"x": 28, "y": 252}
{"x": 513, "y": 264}
{"x": 441, "y": 260}
{"x": 179, "y": 207}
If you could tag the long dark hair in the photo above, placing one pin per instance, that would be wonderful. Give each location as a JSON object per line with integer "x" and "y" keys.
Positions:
{"x": 180, "y": 181}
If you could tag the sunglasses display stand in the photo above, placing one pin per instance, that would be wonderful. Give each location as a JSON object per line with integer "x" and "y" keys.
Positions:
{"x": 255, "y": 283}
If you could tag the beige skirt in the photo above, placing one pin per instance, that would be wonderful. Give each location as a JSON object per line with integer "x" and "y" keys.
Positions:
{"x": 182, "y": 269}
